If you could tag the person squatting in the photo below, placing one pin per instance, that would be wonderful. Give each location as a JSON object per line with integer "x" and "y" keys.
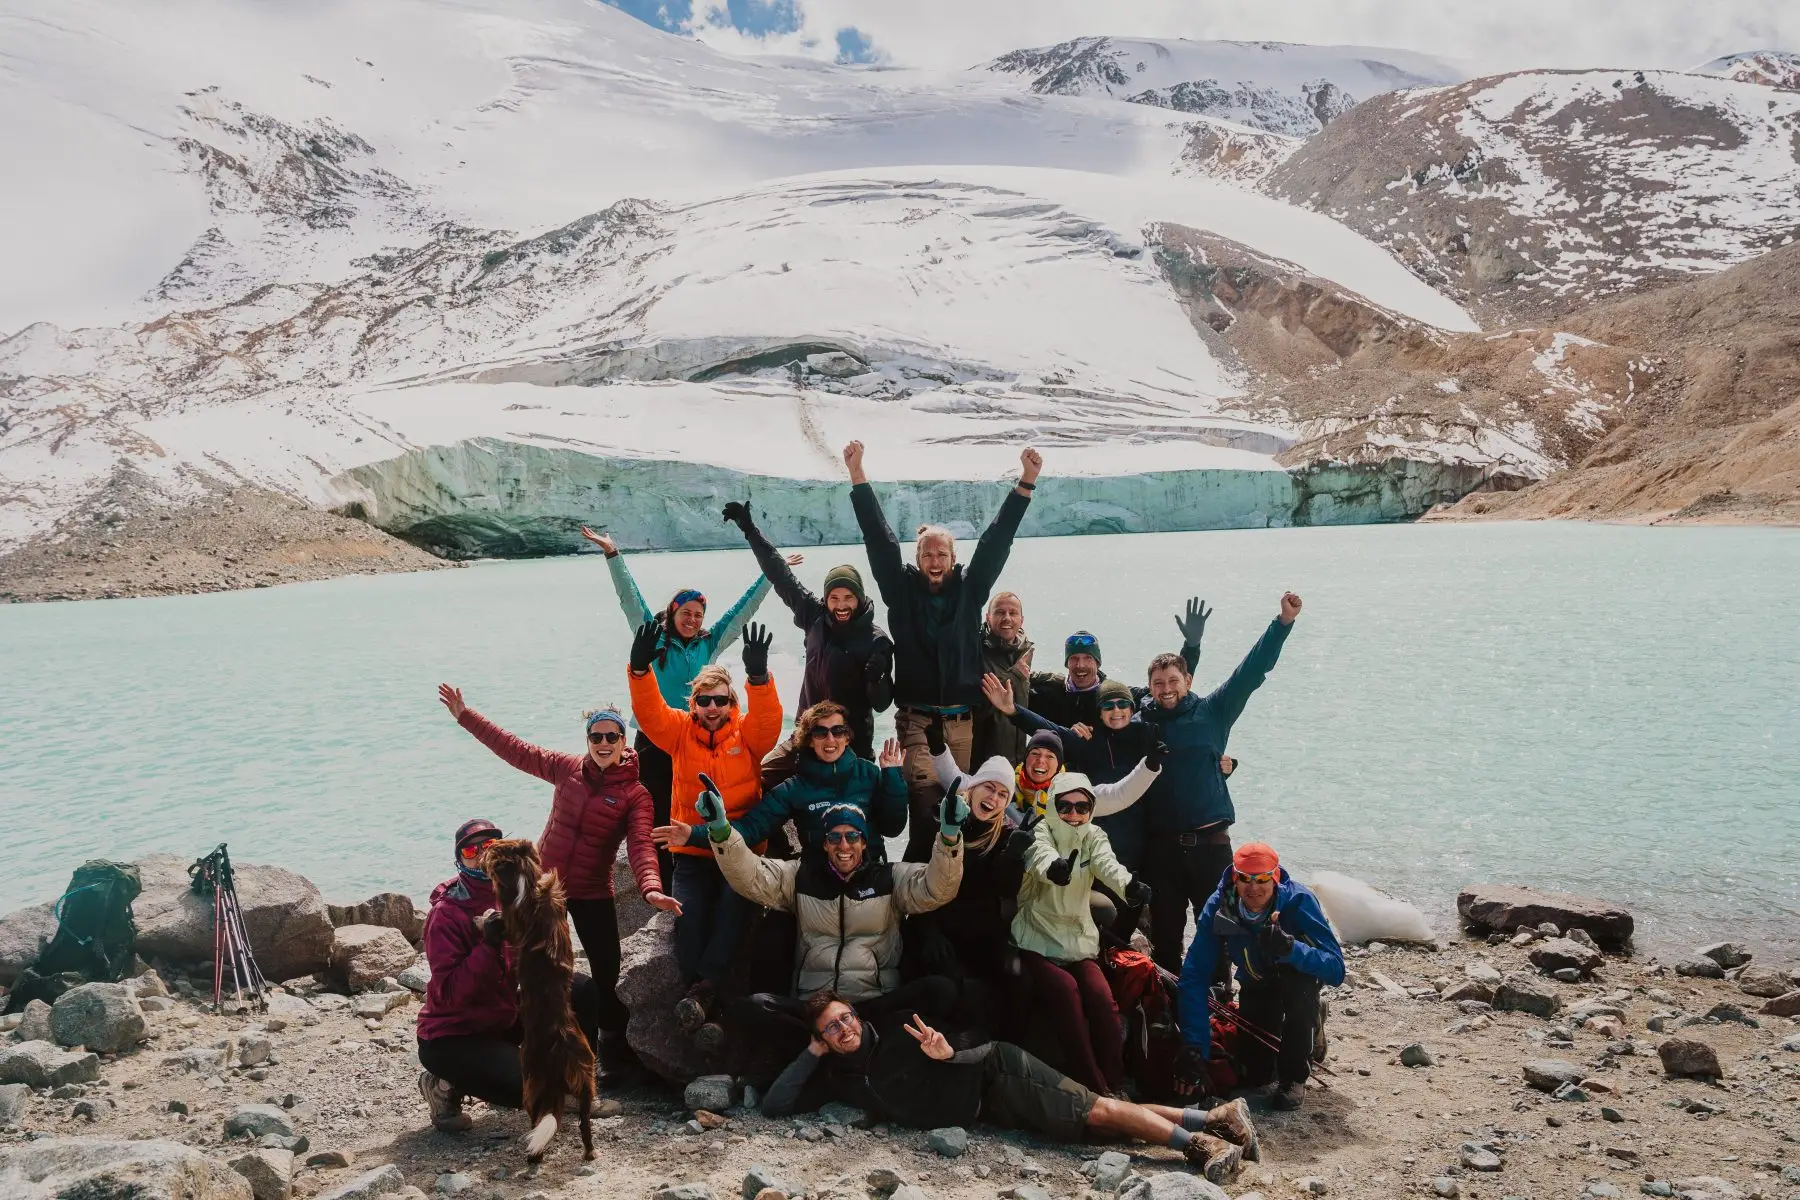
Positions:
{"x": 1048, "y": 817}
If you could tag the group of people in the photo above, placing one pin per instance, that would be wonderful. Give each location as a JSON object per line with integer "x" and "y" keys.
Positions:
{"x": 1047, "y": 817}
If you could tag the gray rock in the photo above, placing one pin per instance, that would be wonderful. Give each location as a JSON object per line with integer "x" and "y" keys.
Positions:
{"x": 382, "y": 1181}
{"x": 1732, "y": 1012}
{"x": 1481, "y": 972}
{"x": 1726, "y": 954}
{"x": 13, "y": 1097}
{"x": 1416, "y": 1055}
{"x": 22, "y": 937}
{"x": 1656, "y": 1187}
{"x": 1765, "y": 982}
{"x": 1520, "y": 992}
{"x": 1446, "y": 1187}
{"x": 290, "y": 931}
{"x": 328, "y": 1159}
{"x": 907, "y": 1191}
{"x": 1476, "y": 1157}
{"x": 1567, "y": 974}
{"x": 1110, "y": 1170}
{"x": 764, "y": 1178}
{"x": 100, "y": 1016}
{"x": 714, "y": 1093}
{"x": 1699, "y": 968}
{"x": 270, "y": 1172}
{"x": 35, "y": 1023}
{"x": 416, "y": 977}
{"x": 45, "y": 1064}
{"x": 390, "y": 909}
{"x": 1562, "y": 953}
{"x": 452, "y": 1183}
{"x": 1581, "y": 935}
{"x": 833, "y": 1113}
{"x": 362, "y": 955}
{"x": 108, "y": 1169}
{"x": 1469, "y": 991}
{"x": 147, "y": 985}
{"x": 295, "y": 1144}
{"x": 1785, "y": 1005}
{"x": 1608, "y": 1113}
{"x": 253, "y": 1050}
{"x": 950, "y": 1141}
{"x": 883, "y": 1180}
{"x": 1683, "y": 1057}
{"x": 650, "y": 985}
{"x": 1024, "y": 1191}
{"x": 1602, "y": 1189}
{"x": 376, "y": 1005}
{"x": 255, "y": 1120}
{"x": 202, "y": 1060}
{"x": 684, "y": 1191}
{"x": 156, "y": 1004}
{"x": 1792, "y": 1045}
{"x": 1170, "y": 1185}
{"x": 1548, "y": 1074}
{"x": 1499, "y": 908}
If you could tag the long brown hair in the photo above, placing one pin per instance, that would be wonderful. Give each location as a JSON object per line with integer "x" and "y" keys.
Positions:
{"x": 815, "y": 716}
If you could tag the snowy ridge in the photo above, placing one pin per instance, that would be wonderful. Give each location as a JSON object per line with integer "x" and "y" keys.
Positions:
{"x": 1773, "y": 68}
{"x": 1276, "y": 87}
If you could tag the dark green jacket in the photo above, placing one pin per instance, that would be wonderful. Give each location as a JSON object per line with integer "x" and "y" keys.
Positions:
{"x": 818, "y": 786}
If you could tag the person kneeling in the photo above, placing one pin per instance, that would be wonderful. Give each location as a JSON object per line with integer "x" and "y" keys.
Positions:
{"x": 906, "y": 1072}
{"x": 468, "y": 1027}
{"x": 1274, "y": 932}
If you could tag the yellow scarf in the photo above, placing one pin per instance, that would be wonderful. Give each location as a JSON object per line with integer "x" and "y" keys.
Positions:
{"x": 1027, "y": 798}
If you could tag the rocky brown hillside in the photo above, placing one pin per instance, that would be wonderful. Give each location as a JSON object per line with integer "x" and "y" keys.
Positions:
{"x": 1531, "y": 195}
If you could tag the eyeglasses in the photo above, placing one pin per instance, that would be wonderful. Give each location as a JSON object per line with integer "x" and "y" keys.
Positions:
{"x": 1074, "y": 806}
{"x": 605, "y": 737}
{"x": 712, "y": 701}
{"x": 843, "y": 1024}
{"x": 473, "y": 850}
{"x": 1258, "y": 877}
{"x": 837, "y": 837}
{"x": 840, "y": 732}
{"x": 1110, "y": 705}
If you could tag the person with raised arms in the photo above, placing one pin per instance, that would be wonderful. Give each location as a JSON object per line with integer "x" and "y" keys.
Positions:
{"x": 935, "y": 609}
{"x": 1072, "y": 696}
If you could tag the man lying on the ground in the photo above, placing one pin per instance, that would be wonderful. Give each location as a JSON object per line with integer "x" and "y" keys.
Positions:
{"x": 906, "y": 1072}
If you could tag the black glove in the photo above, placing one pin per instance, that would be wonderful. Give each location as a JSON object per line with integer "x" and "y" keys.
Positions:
{"x": 1060, "y": 871}
{"x": 1190, "y": 1071}
{"x": 757, "y": 640}
{"x": 1194, "y": 628}
{"x": 934, "y": 737}
{"x": 1277, "y": 942}
{"x": 493, "y": 929}
{"x": 738, "y": 513}
{"x": 643, "y": 646}
{"x": 1154, "y": 756}
{"x": 1137, "y": 893}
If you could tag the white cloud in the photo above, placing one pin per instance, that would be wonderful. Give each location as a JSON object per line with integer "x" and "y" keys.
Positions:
{"x": 952, "y": 34}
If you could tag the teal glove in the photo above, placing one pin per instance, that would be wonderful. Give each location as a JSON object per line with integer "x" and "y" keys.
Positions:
{"x": 711, "y": 808}
{"x": 951, "y": 814}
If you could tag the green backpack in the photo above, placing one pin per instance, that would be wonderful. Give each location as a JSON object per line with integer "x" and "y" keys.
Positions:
{"x": 95, "y": 935}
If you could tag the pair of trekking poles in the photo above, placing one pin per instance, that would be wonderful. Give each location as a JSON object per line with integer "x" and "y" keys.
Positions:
{"x": 233, "y": 961}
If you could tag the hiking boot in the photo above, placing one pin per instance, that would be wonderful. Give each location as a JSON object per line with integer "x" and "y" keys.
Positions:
{"x": 1231, "y": 1121}
{"x": 1287, "y": 1097}
{"x": 710, "y": 1038}
{"x": 618, "y": 1063}
{"x": 445, "y": 1103}
{"x": 692, "y": 1010}
{"x": 1216, "y": 1158}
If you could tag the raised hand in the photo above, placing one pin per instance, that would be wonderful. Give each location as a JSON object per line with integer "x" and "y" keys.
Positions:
{"x": 675, "y": 833}
{"x": 1290, "y": 607}
{"x": 643, "y": 646}
{"x": 999, "y": 693}
{"x": 710, "y": 806}
{"x": 934, "y": 736}
{"x": 853, "y": 461}
{"x": 662, "y": 903}
{"x": 1063, "y": 869}
{"x": 738, "y": 513}
{"x": 1194, "y": 627}
{"x": 930, "y": 1040}
{"x": 952, "y": 812}
{"x": 1030, "y": 463}
{"x": 601, "y": 540}
{"x": 757, "y": 640}
{"x": 1082, "y": 730}
{"x": 1277, "y": 942}
{"x": 795, "y": 559}
{"x": 891, "y": 754}
{"x": 1154, "y": 756}
{"x": 452, "y": 699}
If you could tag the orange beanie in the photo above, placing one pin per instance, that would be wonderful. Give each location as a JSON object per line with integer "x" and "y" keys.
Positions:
{"x": 1253, "y": 858}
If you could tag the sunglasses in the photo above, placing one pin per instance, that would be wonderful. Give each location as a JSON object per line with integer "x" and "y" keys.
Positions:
{"x": 1109, "y": 705}
{"x": 712, "y": 701}
{"x": 843, "y": 1024}
{"x": 1082, "y": 643}
{"x": 1258, "y": 877}
{"x": 473, "y": 850}
{"x": 840, "y": 732}
{"x": 605, "y": 737}
{"x": 1075, "y": 806}
{"x": 836, "y": 837}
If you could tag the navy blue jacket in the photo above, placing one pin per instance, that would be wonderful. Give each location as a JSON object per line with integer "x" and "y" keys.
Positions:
{"x": 1219, "y": 931}
{"x": 1107, "y": 757}
{"x": 1191, "y": 792}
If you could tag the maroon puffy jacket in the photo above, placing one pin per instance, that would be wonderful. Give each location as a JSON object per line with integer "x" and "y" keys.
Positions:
{"x": 472, "y": 990}
{"x": 591, "y": 812}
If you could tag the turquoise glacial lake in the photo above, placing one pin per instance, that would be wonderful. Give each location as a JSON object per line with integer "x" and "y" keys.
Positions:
{"x": 1611, "y": 710}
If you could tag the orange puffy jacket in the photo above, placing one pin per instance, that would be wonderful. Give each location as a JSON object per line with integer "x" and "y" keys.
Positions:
{"x": 732, "y": 756}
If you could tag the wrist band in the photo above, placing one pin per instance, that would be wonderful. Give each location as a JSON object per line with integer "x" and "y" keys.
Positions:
{"x": 1030, "y": 487}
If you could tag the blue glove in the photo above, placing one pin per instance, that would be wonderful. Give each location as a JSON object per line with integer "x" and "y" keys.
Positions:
{"x": 951, "y": 814}
{"x": 711, "y": 808}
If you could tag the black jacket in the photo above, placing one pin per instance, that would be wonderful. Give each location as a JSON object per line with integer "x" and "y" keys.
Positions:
{"x": 973, "y": 928}
{"x": 1107, "y": 757}
{"x": 937, "y": 636}
{"x": 1052, "y": 699}
{"x": 849, "y": 662}
{"x": 889, "y": 1076}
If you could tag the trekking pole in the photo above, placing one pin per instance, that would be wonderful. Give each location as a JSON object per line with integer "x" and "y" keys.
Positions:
{"x": 218, "y": 956}
{"x": 258, "y": 986}
{"x": 1237, "y": 1021}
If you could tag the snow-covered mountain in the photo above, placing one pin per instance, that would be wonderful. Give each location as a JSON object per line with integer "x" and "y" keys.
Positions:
{"x": 1528, "y": 195}
{"x": 1775, "y": 68}
{"x": 1277, "y": 87}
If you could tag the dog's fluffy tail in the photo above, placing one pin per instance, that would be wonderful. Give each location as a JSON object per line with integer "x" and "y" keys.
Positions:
{"x": 538, "y": 1140}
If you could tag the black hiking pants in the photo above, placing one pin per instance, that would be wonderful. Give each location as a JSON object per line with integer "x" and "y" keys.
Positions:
{"x": 1283, "y": 1005}
{"x": 656, "y": 771}
{"x": 486, "y": 1066}
{"x": 597, "y": 929}
{"x": 1183, "y": 871}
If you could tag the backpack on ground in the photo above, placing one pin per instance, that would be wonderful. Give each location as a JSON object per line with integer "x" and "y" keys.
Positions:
{"x": 95, "y": 935}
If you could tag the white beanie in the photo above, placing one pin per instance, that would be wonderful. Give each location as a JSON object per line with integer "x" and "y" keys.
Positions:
{"x": 994, "y": 770}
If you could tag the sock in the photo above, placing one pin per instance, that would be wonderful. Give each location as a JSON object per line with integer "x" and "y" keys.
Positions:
{"x": 1194, "y": 1118}
{"x": 1179, "y": 1139}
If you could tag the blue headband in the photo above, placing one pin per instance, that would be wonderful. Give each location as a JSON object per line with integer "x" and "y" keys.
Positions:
{"x": 687, "y": 594}
{"x": 609, "y": 713}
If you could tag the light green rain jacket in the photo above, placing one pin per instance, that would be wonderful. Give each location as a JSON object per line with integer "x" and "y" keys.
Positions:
{"x": 1053, "y": 920}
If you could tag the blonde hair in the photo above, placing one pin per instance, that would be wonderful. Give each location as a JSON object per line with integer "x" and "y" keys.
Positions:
{"x": 710, "y": 677}
{"x": 999, "y": 596}
{"x": 994, "y": 832}
{"x": 928, "y": 532}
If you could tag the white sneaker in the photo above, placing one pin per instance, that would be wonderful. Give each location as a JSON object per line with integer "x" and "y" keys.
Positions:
{"x": 445, "y": 1103}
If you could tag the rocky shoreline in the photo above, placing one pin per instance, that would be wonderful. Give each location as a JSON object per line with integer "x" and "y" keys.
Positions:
{"x": 1518, "y": 1061}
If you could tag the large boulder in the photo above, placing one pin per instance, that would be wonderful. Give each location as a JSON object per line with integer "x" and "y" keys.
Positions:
{"x": 22, "y": 935}
{"x": 1502, "y": 908}
{"x": 650, "y": 985}
{"x": 284, "y": 914}
{"x": 634, "y": 914}
{"x": 392, "y": 909}
{"x": 363, "y": 955}
{"x": 104, "y": 1169}
{"x": 1762, "y": 981}
{"x": 101, "y": 1016}
{"x": 1785, "y": 1005}
{"x": 1687, "y": 1058}
{"x": 45, "y": 1064}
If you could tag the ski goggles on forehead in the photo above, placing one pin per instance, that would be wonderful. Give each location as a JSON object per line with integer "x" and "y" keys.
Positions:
{"x": 1256, "y": 876}
{"x": 471, "y": 852}
{"x": 1082, "y": 644}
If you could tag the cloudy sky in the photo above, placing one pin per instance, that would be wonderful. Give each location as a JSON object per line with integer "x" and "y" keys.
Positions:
{"x": 1490, "y": 36}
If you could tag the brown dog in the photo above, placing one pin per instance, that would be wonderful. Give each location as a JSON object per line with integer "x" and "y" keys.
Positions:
{"x": 555, "y": 1057}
